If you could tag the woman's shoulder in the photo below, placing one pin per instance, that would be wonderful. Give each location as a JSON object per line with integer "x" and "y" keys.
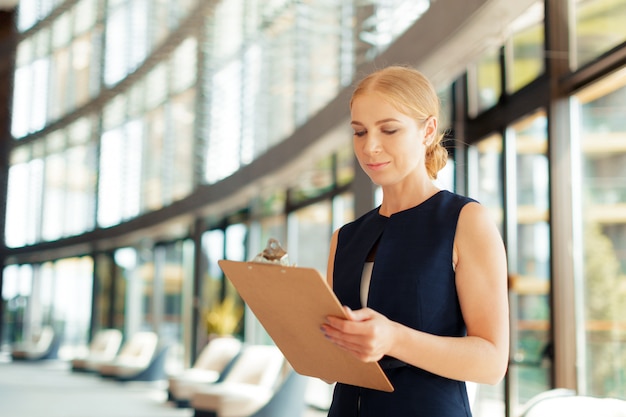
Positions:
{"x": 455, "y": 197}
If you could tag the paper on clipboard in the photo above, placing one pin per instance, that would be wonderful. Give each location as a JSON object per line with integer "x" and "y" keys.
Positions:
{"x": 291, "y": 303}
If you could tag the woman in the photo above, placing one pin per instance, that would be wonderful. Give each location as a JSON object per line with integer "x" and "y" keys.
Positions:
{"x": 423, "y": 276}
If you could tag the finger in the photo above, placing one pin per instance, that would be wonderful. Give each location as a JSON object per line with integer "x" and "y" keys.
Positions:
{"x": 359, "y": 315}
{"x": 348, "y": 312}
{"x": 348, "y": 345}
{"x": 351, "y": 315}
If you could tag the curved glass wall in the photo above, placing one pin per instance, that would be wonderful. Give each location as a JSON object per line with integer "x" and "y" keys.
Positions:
{"x": 203, "y": 89}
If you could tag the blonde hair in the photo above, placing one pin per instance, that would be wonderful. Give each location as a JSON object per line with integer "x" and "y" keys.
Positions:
{"x": 411, "y": 93}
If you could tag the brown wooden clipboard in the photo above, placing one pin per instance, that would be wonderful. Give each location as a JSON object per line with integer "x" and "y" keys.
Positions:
{"x": 292, "y": 303}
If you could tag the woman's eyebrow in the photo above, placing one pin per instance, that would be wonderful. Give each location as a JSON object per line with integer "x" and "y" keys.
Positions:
{"x": 379, "y": 122}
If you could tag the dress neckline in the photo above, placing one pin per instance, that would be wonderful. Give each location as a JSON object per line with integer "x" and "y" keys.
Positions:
{"x": 432, "y": 197}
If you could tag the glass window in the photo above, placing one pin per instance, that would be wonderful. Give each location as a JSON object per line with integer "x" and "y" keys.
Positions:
{"x": 57, "y": 69}
{"x": 161, "y": 21}
{"x": 22, "y": 90}
{"x": 32, "y": 11}
{"x": 172, "y": 271}
{"x": 596, "y": 27}
{"x": 309, "y": 231}
{"x": 524, "y": 49}
{"x": 62, "y": 30}
{"x": 445, "y": 177}
{"x": 224, "y": 136}
{"x": 85, "y": 14}
{"x": 180, "y": 172}
{"x": 153, "y": 187}
{"x": 222, "y": 307}
{"x": 136, "y": 99}
{"x": 313, "y": 181}
{"x": 17, "y": 205}
{"x": 17, "y": 299}
{"x": 60, "y": 87}
{"x": 119, "y": 190}
{"x": 227, "y": 26}
{"x": 80, "y": 189}
{"x": 121, "y": 259}
{"x": 184, "y": 65}
{"x": 254, "y": 132}
{"x": 37, "y": 295}
{"x": 156, "y": 91}
{"x": 485, "y": 179}
{"x": 267, "y": 203}
{"x": 137, "y": 26}
{"x": 345, "y": 164}
{"x": 114, "y": 112}
{"x": 528, "y": 253}
{"x": 54, "y": 196}
{"x": 116, "y": 36}
{"x": 24, "y": 201}
{"x": 39, "y": 98}
{"x": 236, "y": 250}
{"x": 343, "y": 210}
{"x": 83, "y": 70}
{"x": 104, "y": 275}
{"x": 320, "y": 43}
{"x": 14, "y": 303}
{"x": 279, "y": 80}
{"x": 69, "y": 279}
{"x": 137, "y": 271}
{"x": 213, "y": 278}
{"x": 485, "y": 81}
{"x": 386, "y": 20}
{"x": 271, "y": 227}
{"x": 601, "y": 127}
{"x": 446, "y": 109}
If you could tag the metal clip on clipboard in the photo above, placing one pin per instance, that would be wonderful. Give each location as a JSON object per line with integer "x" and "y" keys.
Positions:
{"x": 273, "y": 254}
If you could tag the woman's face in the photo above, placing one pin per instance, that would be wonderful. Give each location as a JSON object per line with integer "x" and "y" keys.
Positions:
{"x": 389, "y": 145}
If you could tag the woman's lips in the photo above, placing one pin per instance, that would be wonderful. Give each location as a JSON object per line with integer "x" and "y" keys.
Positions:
{"x": 377, "y": 166}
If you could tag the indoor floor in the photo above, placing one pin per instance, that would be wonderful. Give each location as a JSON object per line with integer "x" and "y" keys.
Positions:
{"x": 50, "y": 389}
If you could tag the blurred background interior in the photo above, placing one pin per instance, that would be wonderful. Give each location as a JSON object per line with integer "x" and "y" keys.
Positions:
{"x": 141, "y": 141}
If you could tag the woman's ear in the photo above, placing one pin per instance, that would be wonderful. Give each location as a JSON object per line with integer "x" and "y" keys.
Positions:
{"x": 430, "y": 130}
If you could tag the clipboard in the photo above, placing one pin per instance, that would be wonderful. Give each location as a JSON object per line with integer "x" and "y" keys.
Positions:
{"x": 291, "y": 303}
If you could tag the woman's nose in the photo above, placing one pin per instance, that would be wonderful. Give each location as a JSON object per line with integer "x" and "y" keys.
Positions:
{"x": 372, "y": 144}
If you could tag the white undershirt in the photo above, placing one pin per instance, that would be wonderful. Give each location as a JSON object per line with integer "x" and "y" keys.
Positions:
{"x": 366, "y": 277}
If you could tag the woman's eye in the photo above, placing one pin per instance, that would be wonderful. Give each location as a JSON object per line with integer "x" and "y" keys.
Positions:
{"x": 390, "y": 131}
{"x": 360, "y": 133}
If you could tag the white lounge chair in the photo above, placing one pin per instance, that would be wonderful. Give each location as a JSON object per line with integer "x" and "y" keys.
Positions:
{"x": 135, "y": 356}
{"x": 42, "y": 344}
{"x": 561, "y": 402}
{"x": 102, "y": 349}
{"x": 207, "y": 369}
{"x": 248, "y": 386}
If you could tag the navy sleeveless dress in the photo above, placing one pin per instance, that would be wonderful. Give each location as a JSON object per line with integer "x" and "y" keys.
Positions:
{"x": 413, "y": 283}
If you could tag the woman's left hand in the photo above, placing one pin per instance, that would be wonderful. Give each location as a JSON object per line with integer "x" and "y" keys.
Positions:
{"x": 366, "y": 334}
